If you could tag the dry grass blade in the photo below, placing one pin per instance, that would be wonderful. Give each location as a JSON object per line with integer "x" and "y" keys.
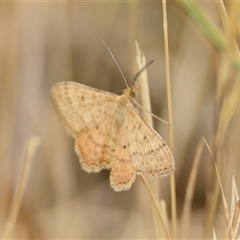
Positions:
{"x": 236, "y": 217}
{"x": 234, "y": 196}
{"x": 222, "y": 12}
{"x": 228, "y": 81}
{"x": 230, "y": 27}
{"x": 155, "y": 201}
{"x": 214, "y": 234}
{"x": 235, "y": 209}
{"x": 226, "y": 211}
{"x": 145, "y": 96}
{"x": 29, "y": 152}
{"x": 190, "y": 191}
{"x": 227, "y": 97}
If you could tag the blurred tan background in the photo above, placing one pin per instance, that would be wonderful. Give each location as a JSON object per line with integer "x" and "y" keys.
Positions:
{"x": 45, "y": 43}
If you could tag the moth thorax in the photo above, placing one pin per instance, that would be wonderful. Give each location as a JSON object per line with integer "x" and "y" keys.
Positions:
{"x": 130, "y": 93}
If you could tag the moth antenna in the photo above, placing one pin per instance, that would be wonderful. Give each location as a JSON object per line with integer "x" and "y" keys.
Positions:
{"x": 140, "y": 71}
{"x": 115, "y": 60}
{"x": 155, "y": 116}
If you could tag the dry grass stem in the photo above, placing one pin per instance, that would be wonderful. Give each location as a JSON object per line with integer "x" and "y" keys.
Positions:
{"x": 226, "y": 211}
{"x": 234, "y": 196}
{"x": 145, "y": 96}
{"x": 228, "y": 85}
{"x": 235, "y": 209}
{"x": 144, "y": 86}
{"x": 162, "y": 217}
{"x": 186, "y": 213}
{"x": 29, "y": 152}
{"x": 170, "y": 119}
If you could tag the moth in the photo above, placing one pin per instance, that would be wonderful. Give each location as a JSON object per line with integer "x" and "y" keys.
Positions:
{"x": 110, "y": 133}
